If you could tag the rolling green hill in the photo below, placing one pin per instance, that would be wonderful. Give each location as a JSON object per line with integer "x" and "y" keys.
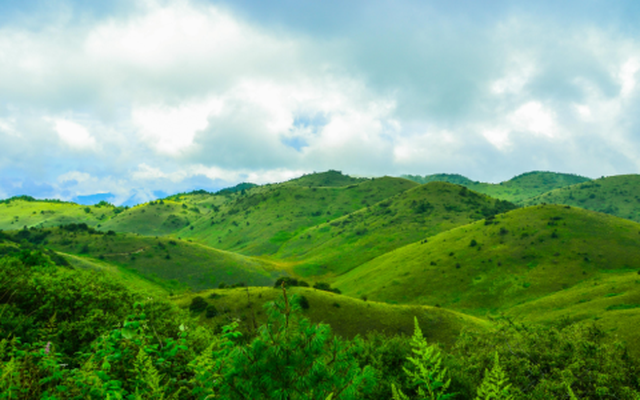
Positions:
{"x": 347, "y": 316}
{"x": 17, "y": 213}
{"x": 264, "y": 218}
{"x": 176, "y": 261}
{"x": 616, "y": 195}
{"x": 155, "y": 218}
{"x": 341, "y": 244}
{"x": 495, "y": 264}
{"x": 329, "y": 178}
{"x": 520, "y": 263}
{"x": 515, "y": 190}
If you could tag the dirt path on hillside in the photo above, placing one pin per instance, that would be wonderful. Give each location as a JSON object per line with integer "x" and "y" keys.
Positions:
{"x": 127, "y": 254}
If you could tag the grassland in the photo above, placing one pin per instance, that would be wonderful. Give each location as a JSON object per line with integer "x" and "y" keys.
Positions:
{"x": 347, "y": 316}
{"x": 264, "y": 218}
{"x": 434, "y": 250}
{"x": 515, "y": 190}
{"x": 155, "y": 218}
{"x": 495, "y": 264}
{"x": 177, "y": 262}
{"x": 341, "y": 244}
{"x": 16, "y": 214}
{"x": 537, "y": 264}
{"x": 616, "y": 195}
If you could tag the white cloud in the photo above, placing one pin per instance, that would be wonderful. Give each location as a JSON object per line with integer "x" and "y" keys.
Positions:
{"x": 74, "y": 176}
{"x": 177, "y": 92}
{"x": 170, "y": 130}
{"x": 535, "y": 118}
{"x": 627, "y": 76}
{"x": 74, "y": 134}
{"x": 7, "y": 126}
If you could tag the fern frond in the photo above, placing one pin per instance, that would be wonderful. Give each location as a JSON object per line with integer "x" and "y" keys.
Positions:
{"x": 495, "y": 385}
{"x": 397, "y": 393}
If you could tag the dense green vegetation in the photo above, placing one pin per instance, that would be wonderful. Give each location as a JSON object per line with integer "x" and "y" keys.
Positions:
{"x": 67, "y": 333}
{"x": 327, "y": 286}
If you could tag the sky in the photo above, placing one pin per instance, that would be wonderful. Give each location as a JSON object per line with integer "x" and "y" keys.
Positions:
{"x": 139, "y": 99}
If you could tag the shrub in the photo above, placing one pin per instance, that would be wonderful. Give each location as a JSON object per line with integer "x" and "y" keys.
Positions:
{"x": 198, "y": 304}
{"x": 303, "y": 302}
{"x": 211, "y": 311}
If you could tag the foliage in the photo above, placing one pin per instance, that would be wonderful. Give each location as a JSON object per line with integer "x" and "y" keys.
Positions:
{"x": 545, "y": 362}
{"x": 427, "y": 372}
{"x": 293, "y": 359}
{"x": 495, "y": 384}
{"x": 198, "y": 305}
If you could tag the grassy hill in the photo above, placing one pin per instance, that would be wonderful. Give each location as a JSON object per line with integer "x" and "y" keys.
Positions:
{"x": 155, "y": 218}
{"x": 264, "y": 218}
{"x": 347, "y": 316}
{"x": 176, "y": 261}
{"x": 544, "y": 255}
{"x": 616, "y": 195}
{"x": 495, "y": 264}
{"x": 341, "y": 244}
{"x": 24, "y": 211}
{"x": 329, "y": 178}
{"x": 515, "y": 190}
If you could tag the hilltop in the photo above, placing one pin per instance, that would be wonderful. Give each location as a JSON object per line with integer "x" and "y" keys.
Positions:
{"x": 343, "y": 243}
{"x": 21, "y": 211}
{"x": 616, "y": 195}
{"x": 502, "y": 264}
{"x": 516, "y": 190}
{"x": 495, "y": 263}
{"x": 264, "y": 218}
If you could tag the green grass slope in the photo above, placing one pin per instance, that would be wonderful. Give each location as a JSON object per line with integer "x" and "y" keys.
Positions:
{"x": 515, "y": 190}
{"x": 520, "y": 256}
{"x": 347, "y": 316}
{"x": 15, "y": 214}
{"x": 344, "y": 243}
{"x": 537, "y": 264}
{"x": 176, "y": 261}
{"x": 264, "y": 218}
{"x": 155, "y": 218}
{"x": 329, "y": 178}
{"x": 131, "y": 278}
{"x": 616, "y": 195}
{"x": 528, "y": 185}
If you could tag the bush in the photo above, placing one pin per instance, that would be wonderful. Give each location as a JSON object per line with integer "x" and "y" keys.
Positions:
{"x": 211, "y": 311}
{"x": 198, "y": 304}
{"x": 303, "y": 302}
{"x": 326, "y": 287}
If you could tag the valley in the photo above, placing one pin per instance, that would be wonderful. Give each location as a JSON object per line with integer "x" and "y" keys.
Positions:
{"x": 372, "y": 253}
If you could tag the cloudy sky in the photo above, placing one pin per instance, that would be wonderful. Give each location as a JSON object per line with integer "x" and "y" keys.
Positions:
{"x": 145, "y": 98}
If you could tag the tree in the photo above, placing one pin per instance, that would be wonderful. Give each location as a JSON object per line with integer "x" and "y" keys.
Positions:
{"x": 292, "y": 359}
